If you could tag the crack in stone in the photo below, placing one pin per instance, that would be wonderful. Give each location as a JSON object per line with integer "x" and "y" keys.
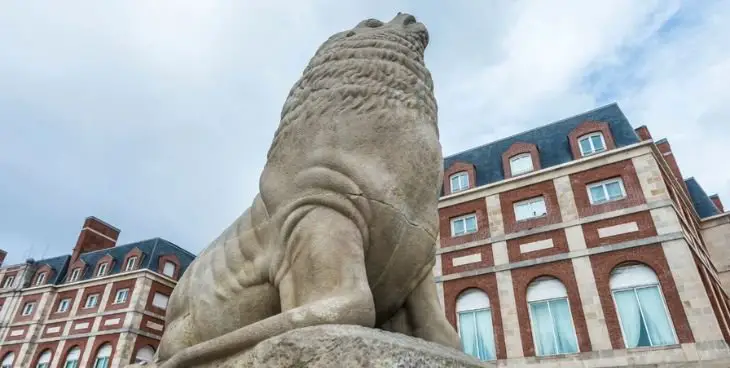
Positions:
{"x": 401, "y": 214}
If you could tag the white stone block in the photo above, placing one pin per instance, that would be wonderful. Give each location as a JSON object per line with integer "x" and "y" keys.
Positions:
{"x": 155, "y": 326}
{"x": 566, "y": 199}
{"x": 619, "y": 229}
{"x": 499, "y": 253}
{"x": 112, "y": 321}
{"x": 508, "y": 308}
{"x": 81, "y": 326}
{"x": 464, "y": 260}
{"x": 53, "y": 329}
{"x": 576, "y": 239}
{"x": 536, "y": 245}
{"x": 19, "y": 332}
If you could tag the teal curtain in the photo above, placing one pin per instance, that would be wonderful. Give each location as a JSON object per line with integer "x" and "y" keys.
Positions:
{"x": 542, "y": 329}
{"x": 477, "y": 334}
{"x": 565, "y": 338}
{"x": 643, "y": 317}
{"x": 552, "y": 327}
{"x": 631, "y": 321}
{"x": 655, "y": 316}
{"x": 101, "y": 362}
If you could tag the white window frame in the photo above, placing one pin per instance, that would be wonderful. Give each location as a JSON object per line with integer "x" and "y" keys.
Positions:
{"x": 464, "y": 217}
{"x": 44, "y": 359}
{"x": 462, "y": 175}
{"x": 593, "y": 149}
{"x": 131, "y": 263}
{"x": 101, "y": 271}
{"x": 474, "y": 310}
{"x": 603, "y": 184}
{"x": 159, "y": 296}
{"x": 72, "y": 358}
{"x": 8, "y": 360}
{"x": 65, "y": 303}
{"x": 529, "y": 201}
{"x": 28, "y": 309}
{"x": 547, "y": 300}
{"x": 9, "y": 282}
{"x": 164, "y": 269}
{"x": 117, "y": 299}
{"x": 94, "y": 297}
{"x": 103, "y": 356}
{"x": 514, "y": 158}
{"x": 40, "y": 279}
{"x": 75, "y": 273}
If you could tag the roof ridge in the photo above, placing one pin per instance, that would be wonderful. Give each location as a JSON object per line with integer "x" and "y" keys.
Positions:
{"x": 536, "y": 128}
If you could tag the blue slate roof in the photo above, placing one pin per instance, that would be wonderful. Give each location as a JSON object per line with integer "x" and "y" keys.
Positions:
{"x": 701, "y": 202}
{"x": 551, "y": 141}
{"x": 152, "y": 250}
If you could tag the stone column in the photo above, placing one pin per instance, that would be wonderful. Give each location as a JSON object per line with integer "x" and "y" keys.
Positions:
{"x": 566, "y": 200}
{"x": 650, "y": 178}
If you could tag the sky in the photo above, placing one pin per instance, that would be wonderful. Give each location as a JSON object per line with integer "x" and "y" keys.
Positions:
{"x": 156, "y": 116}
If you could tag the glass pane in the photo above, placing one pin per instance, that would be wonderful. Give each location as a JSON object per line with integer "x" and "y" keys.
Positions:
{"x": 614, "y": 190}
{"x": 454, "y": 183}
{"x": 655, "y": 316}
{"x": 471, "y": 224}
{"x": 463, "y": 181}
{"x": 585, "y": 146}
{"x": 521, "y": 165}
{"x": 597, "y": 194}
{"x": 522, "y": 211}
{"x": 542, "y": 329}
{"x": 486, "y": 335}
{"x": 597, "y": 143}
{"x": 631, "y": 323}
{"x": 564, "y": 333}
{"x": 468, "y": 333}
{"x": 459, "y": 227}
{"x": 538, "y": 208}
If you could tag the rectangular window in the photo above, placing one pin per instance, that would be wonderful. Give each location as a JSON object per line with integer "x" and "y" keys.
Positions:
{"x": 91, "y": 301}
{"x": 520, "y": 164}
{"x": 464, "y": 225}
{"x": 606, "y": 191}
{"x": 75, "y": 275}
{"x": 459, "y": 182}
{"x": 28, "y": 308}
{"x": 41, "y": 279}
{"x": 169, "y": 269}
{"x": 121, "y": 296}
{"x": 130, "y": 263}
{"x": 552, "y": 327}
{"x": 8, "y": 281}
{"x": 591, "y": 143}
{"x": 102, "y": 270}
{"x": 63, "y": 305}
{"x": 529, "y": 209}
{"x": 160, "y": 300}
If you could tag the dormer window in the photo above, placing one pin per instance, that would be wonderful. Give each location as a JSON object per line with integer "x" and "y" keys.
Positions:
{"x": 75, "y": 275}
{"x": 40, "y": 279}
{"x": 169, "y": 269}
{"x": 101, "y": 271}
{"x": 591, "y": 144}
{"x": 521, "y": 164}
{"x": 459, "y": 181}
{"x": 8, "y": 282}
{"x": 131, "y": 263}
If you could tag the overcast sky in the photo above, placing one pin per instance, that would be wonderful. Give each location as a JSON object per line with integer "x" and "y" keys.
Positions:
{"x": 156, "y": 116}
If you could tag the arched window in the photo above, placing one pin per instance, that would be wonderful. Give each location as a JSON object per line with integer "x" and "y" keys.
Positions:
{"x": 642, "y": 311}
{"x": 72, "y": 358}
{"x": 552, "y": 324}
{"x": 8, "y": 360}
{"x": 103, "y": 356}
{"x": 592, "y": 143}
{"x": 145, "y": 355}
{"x": 475, "y": 324}
{"x": 44, "y": 360}
{"x": 40, "y": 279}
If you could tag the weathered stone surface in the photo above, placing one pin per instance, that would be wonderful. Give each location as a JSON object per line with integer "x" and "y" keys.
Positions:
{"x": 336, "y": 346}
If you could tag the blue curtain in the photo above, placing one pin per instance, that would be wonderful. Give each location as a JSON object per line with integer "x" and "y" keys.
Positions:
{"x": 565, "y": 338}
{"x": 542, "y": 329}
{"x": 631, "y": 321}
{"x": 552, "y": 327}
{"x": 655, "y": 316}
{"x": 477, "y": 334}
{"x": 643, "y": 317}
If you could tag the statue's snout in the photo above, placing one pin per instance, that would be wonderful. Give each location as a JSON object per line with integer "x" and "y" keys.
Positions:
{"x": 403, "y": 19}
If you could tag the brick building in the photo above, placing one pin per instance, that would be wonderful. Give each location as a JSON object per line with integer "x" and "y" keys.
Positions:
{"x": 579, "y": 244}
{"x": 101, "y": 306}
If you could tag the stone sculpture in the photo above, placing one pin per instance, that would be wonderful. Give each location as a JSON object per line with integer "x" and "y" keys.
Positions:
{"x": 344, "y": 227}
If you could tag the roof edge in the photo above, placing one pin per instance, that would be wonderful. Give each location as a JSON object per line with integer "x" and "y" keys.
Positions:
{"x": 104, "y": 222}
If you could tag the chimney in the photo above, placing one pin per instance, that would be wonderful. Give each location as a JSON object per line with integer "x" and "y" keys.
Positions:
{"x": 643, "y": 133}
{"x": 718, "y": 203}
{"x": 95, "y": 235}
{"x": 2, "y": 256}
{"x": 666, "y": 150}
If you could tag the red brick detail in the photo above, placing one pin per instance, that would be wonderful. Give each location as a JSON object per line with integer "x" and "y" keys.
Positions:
{"x": 643, "y": 133}
{"x": 81, "y": 330}
{"x": 135, "y": 252}
{"x": 546, "y": 189}
{"x": 45, "y": 269}
{"x": 143, "y": 325}
{"x": 98, "y": 289}
{"x": 111, "y": 339}
{"x": 653, "y": 257}
{"x": 41, "y": 348}
{"x": 125, "y": 284}
{"x": 157, "y": 288}
{"x": 560, "y": 245}
{"x": 47, "y": 334}
{"x": 623, "y": 169}
{"x": 105, "y": 327}
{"x": 588, "y": 127}
{"x": 95, "y": 235}
{"x": 141, "y": 342}
{"x": 108, "y": 261}
{"x": 478, "y": 206}
{"x": 10, "y": 337}
{"x": 643, "y": 221}
{"x": 458, "y": 167}
{"x": 169, "y": 258}
{"x": 516, "y": 149}
{"x": 6, "y": 349}
{"x": 36, "y": 298}
{"x": 718, "y": 203}
{"x": 487, "y": 259}
{"x": 488, "y": 284}
{"x": 70, "y": 294}
{"x": 81, "y": 265}
{"x": 563, "y": 271}
{"x": 70, "y": 344}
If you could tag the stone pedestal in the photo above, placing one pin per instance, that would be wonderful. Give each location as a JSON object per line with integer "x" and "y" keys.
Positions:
{"x": 337, "y": 346}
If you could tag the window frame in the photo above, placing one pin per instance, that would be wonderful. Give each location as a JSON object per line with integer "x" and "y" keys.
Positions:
{"x": 518, "y": 156}
{"x": 8, "y": 283}
{"x": 464, "y": 217}
{"x": 547, "y": 301}
{"x": 474, "y": 311}
{"x": 75, "y": 360}
{"x": 603, "y": 184}
{"x": 461, "y": 175}
{"x": 588, "y": 136}
{"x": 174, "y": 268}
{"x": 61, "y": 303}
{"x": 25, "y": 312}
{"x": 75, "y": 274}
{"x": 530, "y": 201}
{"x": 131, "y": 264}
{"x": 94, "y": 297}
{"x": 106, "y": 358}
{"x": 8, "y": 356}
{"x": 47, "y": 363}
{"x": 116, "y": 296}
{"x": 40, "y": 279}
{"x": 101, "y": 269}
